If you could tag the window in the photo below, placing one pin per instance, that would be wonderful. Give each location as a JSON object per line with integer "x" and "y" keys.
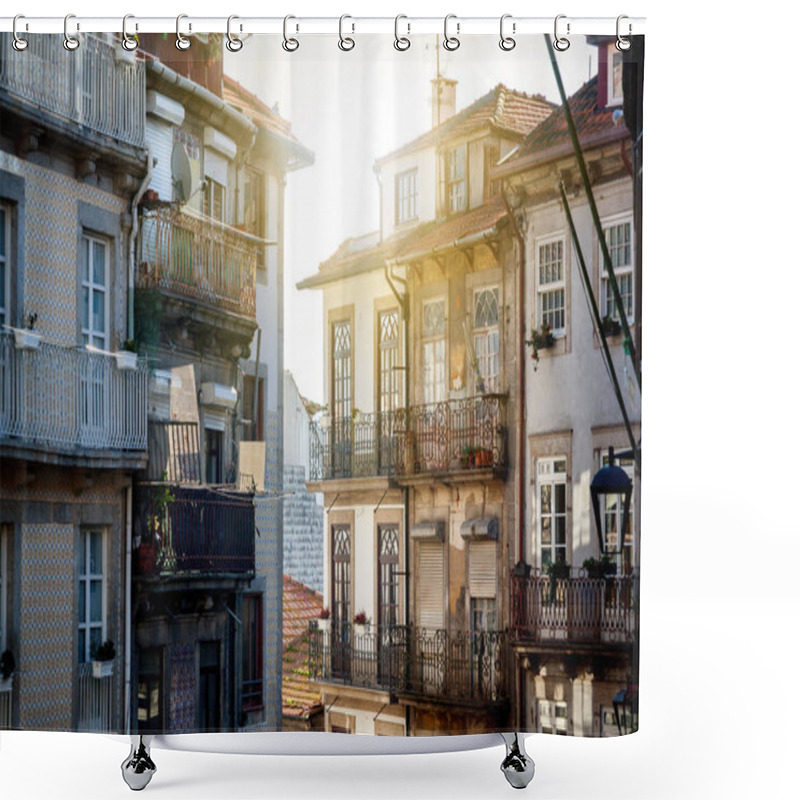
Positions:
{"x": 430, "y": 586}
{"x": 434, "y": 378}
{"x": 341, "y": 574}
{"x": 482, "y": 575}
{"x": 615, "y": 61}
{"x": 213, "y": 441}
{"x": 342, "y": 370}
{"x": 553, "y": 717}
{"x": 612, "y": 514}
{"x": 253, "y": 409}
{"x": 91, "y": 593}
{"x": 550, "y": 287}
{"x": 150, "y": 690}
{"x": 94, "y": 291}
{"x": 388, "y": 578}
{"x": 405, "y": 197}
{"x": 486, "y": 339}
{"x": 619, "y": 240}
{"x": 214, "y": 199}
{"x": 390, "y": 386}
{"x": 253, "y": 653}
{"x": 5, "y": 265}
{"x": 4, "y": 580}
{"x": 456, "y": 179}
{"x": 491, "y": 155}
{"x": 551, "y": 481}
{"x": 208, "y": 690}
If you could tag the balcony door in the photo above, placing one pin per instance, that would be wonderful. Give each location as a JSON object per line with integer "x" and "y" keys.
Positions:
{"x": 433, "y": 423}
{"x": 388, "y": 598}
{"x": 390, "y": 388}
{"x": 208, "y": 690}
{"x": 341, "y": 397}
{"x": 341, "y": 604}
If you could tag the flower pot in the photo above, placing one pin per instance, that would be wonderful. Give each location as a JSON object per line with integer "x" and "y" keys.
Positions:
{"x": 360, "y": 630}
{"x": 324, "y": 625}
{"x": 611, "y": 327}
{"x": 483, "y": 458}
{"x": 125, "y": 359}
{"x": 102, "y": 669}
{"x": 6, "y": 683}
{"x": 26, "y": 340}
{"x": 146, "y": 558}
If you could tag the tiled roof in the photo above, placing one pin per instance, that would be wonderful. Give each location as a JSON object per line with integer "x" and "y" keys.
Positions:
{"x": 300, "y": 604}
{"x": 506, "y": 110}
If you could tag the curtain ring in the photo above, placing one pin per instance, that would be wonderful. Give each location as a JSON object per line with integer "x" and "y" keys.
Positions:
{"x": 19, "y": 43}
{"x": 401, "y": 43}
{"x": 346, "y": 43}
{"x": 623, "y": 42}
{"x": 560, "y": 43}
{"x": 451, "y": 42}
{"x": 289, "y": 44}
{"x": 234, "y": 43}
{"x": 129, "y": 43}
{"x": 181, "y": 42}
{"x": 507, "y": 42}
{"x": 70, "y": 42}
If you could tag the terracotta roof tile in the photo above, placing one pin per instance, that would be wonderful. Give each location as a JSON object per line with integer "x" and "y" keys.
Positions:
{"x": 300, "y": 604}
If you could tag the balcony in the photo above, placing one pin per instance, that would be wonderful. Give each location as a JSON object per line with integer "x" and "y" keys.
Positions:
{"x": 94, "y": 87}
{"x": 195, "y": 258}
{"x": 72, "y": 401}
{"x": 95, "y": 702}
{"x": 198, "y": 532}
{"x": 467, "y": 668}
{"x": 454, "y": 436}
{"x": 573, "y": 610}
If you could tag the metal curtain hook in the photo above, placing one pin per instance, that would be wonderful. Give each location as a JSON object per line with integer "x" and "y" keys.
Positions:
{"x": 181, "y": 42}
{"x": 290, "y": 44}
{"x": 560, "y": 43}
{"x": 19, "y": 43}
{"x": 234, "y": 43}
{"x": 623, "y": 43}
{"x": 345, "y": 42}
{"x": 70, "y": 42}
{"x": 507, "y": 42}
{"x": 451, "y": 42}
{"x": 401, "y": 42}
{"x": 129, "y": 42}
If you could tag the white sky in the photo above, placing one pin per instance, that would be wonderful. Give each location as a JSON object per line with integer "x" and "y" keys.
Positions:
{"x": 350, "y": 108}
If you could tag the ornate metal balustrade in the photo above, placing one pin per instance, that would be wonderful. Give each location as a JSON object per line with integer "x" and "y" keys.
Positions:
{"x": 95, "y": 705}
{"x": 197, "y": 258}
{"x": 573, "y": 609}
{"x": 202, "y": 531}
{"x": 70, "y": 398}
{"x": 96, "y": 86}
{"x": 464, "y": 667}
{"x": 5, "y": 710}
{"x": 440, "y": 437}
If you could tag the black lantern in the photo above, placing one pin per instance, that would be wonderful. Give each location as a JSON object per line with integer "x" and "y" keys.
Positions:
{"x": 626, "y": 709}
{"x": 611, "y": 481}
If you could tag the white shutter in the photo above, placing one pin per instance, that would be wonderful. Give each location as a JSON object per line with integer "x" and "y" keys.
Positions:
{"x": 159, "y": 137}
{"x": 430, "y": 585}
{"x": 482, "y": 569}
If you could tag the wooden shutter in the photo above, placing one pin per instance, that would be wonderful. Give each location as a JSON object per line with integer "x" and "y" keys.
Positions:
{"x": 483, "y": 569}
{"x": 430, "y": 585}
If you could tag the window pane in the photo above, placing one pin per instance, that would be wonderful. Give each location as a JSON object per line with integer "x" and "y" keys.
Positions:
{"x": 81, "y": 646}
{"x": 98, "y": 311}
{"x": 85, "y": 309}
{"x": 85, "y": 260}
{"x": 96, "y": 553}
{"x": 95, "y": 640}
{"x": 96, "y": 600}
{"x": 82, "y": 602}
{"x": 99, "y": 263}
{"x": 2, "y": 233}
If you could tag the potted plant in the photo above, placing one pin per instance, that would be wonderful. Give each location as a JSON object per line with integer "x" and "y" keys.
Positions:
{"x": 126, "y": 358}
{"x": 103, "y": 660}
{"x": 7, "y": 667}
{"x": 360, "y": 623}
{"x": 483, "y": 457}
{"x": 540, "y": 340}
{"x": 324, "y": 620}
{"x": 611, "y": 326}
{"x": 25, "y": 338}
{"x": 468, "y": 457}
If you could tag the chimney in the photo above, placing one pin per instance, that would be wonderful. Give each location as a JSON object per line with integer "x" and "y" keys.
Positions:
{"x": 444, "y": 99}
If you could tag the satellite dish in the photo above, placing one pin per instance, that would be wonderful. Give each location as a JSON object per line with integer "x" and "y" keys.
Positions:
{"x": 182, "y": 173}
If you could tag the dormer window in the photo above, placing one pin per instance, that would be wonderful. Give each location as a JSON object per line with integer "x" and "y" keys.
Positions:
{"x": 405, "y": 196}
{"x": 614, "y": 76}
{"x": 456, "y": 179}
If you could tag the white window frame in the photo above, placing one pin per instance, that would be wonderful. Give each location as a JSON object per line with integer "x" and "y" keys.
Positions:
{"x": 390, "y": 387}
{"x": 405, "y": 196}
{"x": 551, "y": 287}
{"x": 559, "y": 724}
{"x": 628, "y": 466}
{"x": 613, "y": 54}
{"x": 482, "y": 339}
{"x": 85, "y": 580}
{"x": 546, "y": 475}
{"x": 89, "y": 286}
{"x": 436, "y": 345}
{"x": 607, "y": 304}
{"x": 456, "y": 188}
{"x": 5, "y": 262}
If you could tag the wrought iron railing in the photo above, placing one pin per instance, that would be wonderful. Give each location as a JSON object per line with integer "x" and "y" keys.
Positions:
{"x": 198, "y": 258}
{"x": 197, "y": 530}
{"x": 70, "y": 398}
{"x": 439, "y": 437}
{"x": 174, "y": 452}
{"x": 96, "y": 86}
{"x": 95, "y": 701}
{"x": 577, "y": 608}
{"x": 465, "y": 667}
{"x": 5, "y": 710}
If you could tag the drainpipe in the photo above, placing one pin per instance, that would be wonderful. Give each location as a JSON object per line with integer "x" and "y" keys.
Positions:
{"x": 134, "y": 234}
{"x": 128, "y": 593}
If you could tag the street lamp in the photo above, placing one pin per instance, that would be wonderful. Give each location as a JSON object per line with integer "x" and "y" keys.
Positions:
{"x": 611, "y": 481}
{"x": 626, "y": 707}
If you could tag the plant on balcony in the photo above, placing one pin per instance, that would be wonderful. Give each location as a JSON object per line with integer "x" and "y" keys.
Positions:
{"x": 540, "y": 340}
{"x": 601, "y": 568}
{"x": 476, "y": 457}
{"x": 324, "y": 620}
{"x": 361, "y": 623}
{"x": 126, "y": 358}
{"x": 7, "y": 667}
{"x": 558, "y": 571}
{"x": 611, "y": 326}
{"x": 103, "y": 659}
{"x": 25, "y": 338}
{"x": 150, "y": 546}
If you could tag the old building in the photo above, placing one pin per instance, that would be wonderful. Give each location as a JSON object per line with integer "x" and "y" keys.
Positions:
{"x": 73, "y": 399}
{"x": 574, "y": 592}
{"x": 413, "y": 458}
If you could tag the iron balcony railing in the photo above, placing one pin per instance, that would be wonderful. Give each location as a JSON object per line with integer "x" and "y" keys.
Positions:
{"x": 462, "y": 667}
{"x": 5, "y": 710}
{"x": 572, "y": 609}
{"x": 196, "y": 531}
{"x": 70, "y": 398}
{"x": 439, "y": 437}
{"x": 174, "y": 452}
{"x": 97, "y": 87}
{"x": 95, "y": 701}
{"x": 197, "y": 258}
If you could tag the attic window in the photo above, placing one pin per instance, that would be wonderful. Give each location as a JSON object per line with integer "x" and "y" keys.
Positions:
{"x": 614, "y": 76}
